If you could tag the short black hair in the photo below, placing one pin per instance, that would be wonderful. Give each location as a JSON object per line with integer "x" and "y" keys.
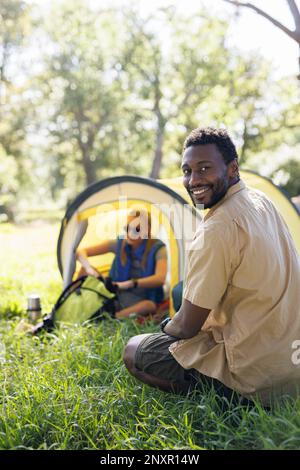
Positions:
{"x": 211, "y": 135}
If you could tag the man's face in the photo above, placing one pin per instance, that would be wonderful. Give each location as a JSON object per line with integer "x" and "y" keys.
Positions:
{"x": 206, "y": 176}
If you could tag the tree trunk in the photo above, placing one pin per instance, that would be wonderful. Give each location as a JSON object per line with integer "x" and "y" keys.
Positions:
{"x": 158, "y": 154}
{"x": 242, "y": 156}
{"x": 86, "y": 147}
{"x": 160, "y": 130}
{"x": 87, "y": 164}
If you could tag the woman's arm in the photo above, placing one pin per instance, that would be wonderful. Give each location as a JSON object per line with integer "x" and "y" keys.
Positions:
{"x": 82, "y": 254}
{"x": 100, "y": 249}
{"x": 155, "y": 280}
{"x": 158, "y": 278}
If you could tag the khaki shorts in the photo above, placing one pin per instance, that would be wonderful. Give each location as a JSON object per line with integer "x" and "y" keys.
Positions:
{"x": 153, "y": 357}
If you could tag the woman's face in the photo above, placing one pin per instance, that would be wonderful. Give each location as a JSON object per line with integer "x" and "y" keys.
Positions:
{"x": 136, "y": 230}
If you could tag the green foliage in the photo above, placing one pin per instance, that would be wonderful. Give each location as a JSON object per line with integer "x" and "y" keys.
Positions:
{"x": 169, "y": 79}
{"x": 70, "y": 389}
{"x": 15, "y": 26}
{"x": 287, "y": 176}
{"x": 82, "y": 90}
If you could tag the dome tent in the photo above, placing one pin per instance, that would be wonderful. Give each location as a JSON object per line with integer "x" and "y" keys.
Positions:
{"x": 100, "y": 211}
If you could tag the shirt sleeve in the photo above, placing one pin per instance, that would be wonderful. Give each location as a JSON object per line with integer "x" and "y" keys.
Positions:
{"x": 161, "y": 253}
{"x": 208, "y": 267}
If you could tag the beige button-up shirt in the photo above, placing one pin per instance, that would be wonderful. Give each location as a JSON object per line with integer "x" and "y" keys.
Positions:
{"x": 244, "y": 267}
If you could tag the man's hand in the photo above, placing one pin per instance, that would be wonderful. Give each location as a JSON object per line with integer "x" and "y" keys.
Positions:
{"x": 124, "y": 285}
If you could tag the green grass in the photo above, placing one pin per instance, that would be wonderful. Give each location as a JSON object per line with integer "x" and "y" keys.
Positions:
{"x": 70, "y": 390}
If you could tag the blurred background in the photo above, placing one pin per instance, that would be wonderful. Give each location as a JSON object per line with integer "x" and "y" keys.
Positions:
{"x": 91, "y": 89}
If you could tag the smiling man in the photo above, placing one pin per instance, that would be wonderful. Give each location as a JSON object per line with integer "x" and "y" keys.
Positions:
{"x": 240, "y": 313}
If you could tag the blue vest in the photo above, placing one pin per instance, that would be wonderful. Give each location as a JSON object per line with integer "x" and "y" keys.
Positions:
{"x": 119, "y": 272}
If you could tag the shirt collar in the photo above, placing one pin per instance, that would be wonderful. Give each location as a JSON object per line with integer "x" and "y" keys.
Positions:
{"x": 235, "y": 188}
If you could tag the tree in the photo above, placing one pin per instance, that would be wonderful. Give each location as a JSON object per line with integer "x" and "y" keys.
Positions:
{"x": 79, "y": 85}
{"x": 177, "y": 89}
{"x": 14, "y": 28}
{"x": 287, "y": 176}
{"x": 262, "y": 113}
{"x": 294, "y": 9}
{"x": 171, "y": 73}
{"x": 259, "y": 113}
{"x": 14, "y": 25}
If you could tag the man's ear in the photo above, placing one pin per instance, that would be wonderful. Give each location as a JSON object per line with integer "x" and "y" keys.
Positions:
{"x": 233, "y": 169}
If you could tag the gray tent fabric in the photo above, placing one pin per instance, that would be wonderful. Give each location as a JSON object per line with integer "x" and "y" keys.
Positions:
{"x": 81, "y": 229}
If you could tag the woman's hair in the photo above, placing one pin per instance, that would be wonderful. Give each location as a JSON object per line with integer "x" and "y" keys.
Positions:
{"x": 145, "y": 221}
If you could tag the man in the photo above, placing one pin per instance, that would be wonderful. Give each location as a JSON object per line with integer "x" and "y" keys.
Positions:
{"x": 240, "y": 314}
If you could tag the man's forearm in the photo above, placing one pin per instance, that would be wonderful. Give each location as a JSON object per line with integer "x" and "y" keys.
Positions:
{"x": 187, "y": 322}
{"x": 174, "y": 328}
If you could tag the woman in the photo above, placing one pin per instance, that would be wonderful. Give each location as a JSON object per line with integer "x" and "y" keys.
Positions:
{"x": 139, "y": 268}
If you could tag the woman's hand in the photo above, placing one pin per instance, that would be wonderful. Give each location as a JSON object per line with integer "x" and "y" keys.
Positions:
{"x": 92, "y": 271}
{"x": 124, "y": 285}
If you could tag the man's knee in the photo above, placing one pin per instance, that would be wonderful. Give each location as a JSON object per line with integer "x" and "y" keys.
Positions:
{"x": 130, "y": 351}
